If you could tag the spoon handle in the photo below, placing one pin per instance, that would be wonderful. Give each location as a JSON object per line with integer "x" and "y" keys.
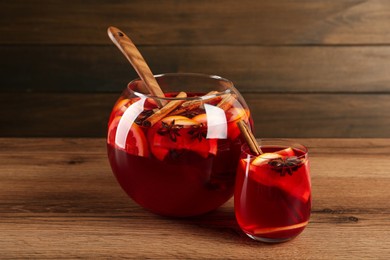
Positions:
{"x": 127, "y": 47}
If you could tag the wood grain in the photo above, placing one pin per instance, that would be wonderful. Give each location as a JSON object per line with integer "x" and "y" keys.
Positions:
{"x": 275, "y": 115}
{"x": 57, "y": 114}
{"x": 307, "y": 68}
{"x": 197, "y": 22}
{"x": 252, "y": 69}
{"x": 58, "y": 199}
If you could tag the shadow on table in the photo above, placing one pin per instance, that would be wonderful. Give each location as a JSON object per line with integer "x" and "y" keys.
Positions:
{"x": 219, "y": 224}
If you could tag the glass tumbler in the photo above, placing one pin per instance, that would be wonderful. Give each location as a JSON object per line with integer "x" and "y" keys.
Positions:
{"x": 272, "y": 198}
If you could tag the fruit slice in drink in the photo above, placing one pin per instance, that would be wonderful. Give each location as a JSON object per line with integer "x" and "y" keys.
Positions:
{"x": 279, "y": 169}
{"x": 177, "y": 134}
{"x": 234, "y": 115}
{"x": 136, "y": 143}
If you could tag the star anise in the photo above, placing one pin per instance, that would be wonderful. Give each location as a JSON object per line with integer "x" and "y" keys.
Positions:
{"x": 170, "y": 129}
{"x": 198, "y": 132}
{"x": 191, "y": 113}
{"x": 144, "y": 115}
{"x": 288, "y": 165}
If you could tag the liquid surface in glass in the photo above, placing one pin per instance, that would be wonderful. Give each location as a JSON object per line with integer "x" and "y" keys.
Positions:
{"x": 272, "y": 199}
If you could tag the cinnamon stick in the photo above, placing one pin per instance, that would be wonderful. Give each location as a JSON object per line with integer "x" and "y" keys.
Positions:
{"x": 249, "y": 138}
{"x": 165, "y": 110}
{"x": 194, "y": 104}
{"x": 227, "y": 102}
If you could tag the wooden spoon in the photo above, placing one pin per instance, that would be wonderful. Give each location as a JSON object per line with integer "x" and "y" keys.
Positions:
{"x": 127, "y": 47}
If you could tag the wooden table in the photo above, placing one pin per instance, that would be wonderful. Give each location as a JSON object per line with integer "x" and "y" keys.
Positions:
{"x": 59, "y": 199}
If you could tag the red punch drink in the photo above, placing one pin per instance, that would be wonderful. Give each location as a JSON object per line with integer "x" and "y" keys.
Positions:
{"x": 272, "y": 199}
{"x": 181, "y": 161}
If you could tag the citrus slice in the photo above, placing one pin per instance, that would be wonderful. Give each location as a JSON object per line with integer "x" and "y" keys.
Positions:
{"x": 136, "y": 143}
{"x": 112, "y": 127}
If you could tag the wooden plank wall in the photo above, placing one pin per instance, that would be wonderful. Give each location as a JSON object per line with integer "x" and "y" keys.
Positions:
{"x": 306, "y": 68}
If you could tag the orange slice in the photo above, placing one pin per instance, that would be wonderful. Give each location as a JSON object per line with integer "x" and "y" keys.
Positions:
{"x": 136, "y": 143}
{"x": 112, "y": 127}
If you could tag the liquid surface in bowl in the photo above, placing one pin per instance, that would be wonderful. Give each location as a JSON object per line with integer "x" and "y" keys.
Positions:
{"x": 182, "y": 165}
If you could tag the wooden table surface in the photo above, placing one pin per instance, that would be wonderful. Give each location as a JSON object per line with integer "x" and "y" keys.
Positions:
{"x": 59, "y": 199}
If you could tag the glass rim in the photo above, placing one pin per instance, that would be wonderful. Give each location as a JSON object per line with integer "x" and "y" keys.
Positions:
{"x": 229, "y": 88}
{"x": 275, "y": 142}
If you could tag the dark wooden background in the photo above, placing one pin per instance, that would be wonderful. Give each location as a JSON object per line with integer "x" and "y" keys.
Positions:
{"x": 306, "y": 68}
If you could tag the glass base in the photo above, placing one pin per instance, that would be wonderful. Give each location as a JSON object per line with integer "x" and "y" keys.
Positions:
{"x": 269, "y": 240}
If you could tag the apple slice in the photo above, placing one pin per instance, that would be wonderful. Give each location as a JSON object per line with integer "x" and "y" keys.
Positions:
{"x": 265, "y": 157}
{"x": 201, "y": 118}
{"x": 179, "y": 120}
